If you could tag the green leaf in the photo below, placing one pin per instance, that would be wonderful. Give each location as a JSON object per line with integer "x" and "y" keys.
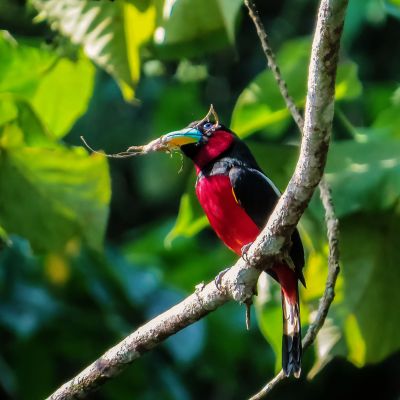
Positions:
{"x": 51, "y": 195}
{"x": 29, "y": 131}
{"x": 392, "y": 7}
{"x": 370, "y": 260}
{"x": 268, "y": 305}
{"x": 63, "y": 94}
{"x": 366, "y": 302}
{"x": 110, "y": 33}
{"x": 57, "y": 88}
{"x": 186, "y": 225}
{"x": 191, "y": 28}
{"x": 22, "y": 66}
{"x": 377, "y": 98}
{"x": 387, "y": 123}
{"x": 348, "y": 86}
{"x": 365, "y": 181}
{"x": 364, "y": 176}
{"x": 261, "y": 106}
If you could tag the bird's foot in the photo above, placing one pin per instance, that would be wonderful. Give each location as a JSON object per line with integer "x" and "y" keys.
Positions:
{"x": 200, "y": 287}
{"x": 244, "y": 251}
{"x": 218, "y": 278}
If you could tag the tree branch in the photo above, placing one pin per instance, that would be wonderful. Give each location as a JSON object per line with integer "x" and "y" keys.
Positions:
{"x": 142, "y": 340}
{"x": 332, "y": 224}
{"x": 238, "y": 283}
{"x": 329, "y": 24}
{"x": 316, "y": 133}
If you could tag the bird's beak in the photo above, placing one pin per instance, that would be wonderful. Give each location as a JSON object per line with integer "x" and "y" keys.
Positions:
{"x": 177, "y": 139}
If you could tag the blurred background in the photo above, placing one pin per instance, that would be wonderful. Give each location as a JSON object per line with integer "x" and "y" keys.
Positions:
{"x": 91, "y": 248}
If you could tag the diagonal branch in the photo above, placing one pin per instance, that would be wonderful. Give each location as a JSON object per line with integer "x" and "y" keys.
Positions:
{"x": 238, "y": 283}
{"x": 111, "y": 363}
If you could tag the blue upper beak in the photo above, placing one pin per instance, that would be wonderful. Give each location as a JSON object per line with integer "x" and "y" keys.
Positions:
{"x": 181, "y": 137}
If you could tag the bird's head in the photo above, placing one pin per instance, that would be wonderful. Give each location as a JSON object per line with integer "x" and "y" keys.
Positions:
{"x": 203, "y": 141}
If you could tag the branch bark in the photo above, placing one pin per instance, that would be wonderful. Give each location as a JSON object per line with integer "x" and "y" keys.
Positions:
{"x": 238, "y": 283}
{"x": 316, "y": 132}
{"x": 332, "y": 222}
{"x": 326, "y": 300}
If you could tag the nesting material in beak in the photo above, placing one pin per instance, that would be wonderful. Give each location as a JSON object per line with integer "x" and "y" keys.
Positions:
{"x": 166, "y": 143}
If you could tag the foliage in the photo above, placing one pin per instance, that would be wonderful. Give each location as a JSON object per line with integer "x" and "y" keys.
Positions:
{"x": 123, "y": 72}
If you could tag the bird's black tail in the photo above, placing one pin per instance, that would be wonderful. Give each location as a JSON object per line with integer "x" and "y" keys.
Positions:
{"x": 291, "y": 338}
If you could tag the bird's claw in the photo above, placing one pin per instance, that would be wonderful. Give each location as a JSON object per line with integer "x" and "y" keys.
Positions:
{"x": 218, "y": 278}
{"x": 244, "y": 251}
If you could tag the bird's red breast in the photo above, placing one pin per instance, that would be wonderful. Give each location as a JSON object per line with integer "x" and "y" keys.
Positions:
{"x": 228, "y": 219}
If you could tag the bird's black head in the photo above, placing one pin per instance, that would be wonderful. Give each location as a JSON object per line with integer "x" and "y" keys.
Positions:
{"x": 203, "y": 141}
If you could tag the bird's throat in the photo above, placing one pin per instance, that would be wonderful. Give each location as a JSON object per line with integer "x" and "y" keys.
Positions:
{"x": 216, "y": 145}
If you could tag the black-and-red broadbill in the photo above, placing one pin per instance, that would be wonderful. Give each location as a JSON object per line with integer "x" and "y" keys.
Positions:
{"x": 238, "y": 198}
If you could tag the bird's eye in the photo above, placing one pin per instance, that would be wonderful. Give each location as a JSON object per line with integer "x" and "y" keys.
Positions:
{"x": 208, "y": 126}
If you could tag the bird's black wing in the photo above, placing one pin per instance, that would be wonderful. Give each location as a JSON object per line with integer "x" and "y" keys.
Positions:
{"x": 254, "y": 192}
{"x": 257, "y": 195}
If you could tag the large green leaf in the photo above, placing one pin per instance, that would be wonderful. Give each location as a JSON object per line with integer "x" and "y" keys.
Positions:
{"x": 50, "y": 194}
{"x": 269, "y": 314}
{"x": 261, "y": 106}
{"x": 110, "y": 33}
{"x": 365, "y": 181}
{"x": 63, "y": 94}
{"x": 190, "y": 28}
{"x": 392, "y": 7}
{"x": 58, "y": 88}
{"x": 387, "y": 123}
{"x": 187, "y": 225}
{"x": 371, "y": 274}
{"x": 364, "y": 176}
{"x": 362, "y": 324}
{"x": 31, "y": 130}
{"x": 21, "y": 66}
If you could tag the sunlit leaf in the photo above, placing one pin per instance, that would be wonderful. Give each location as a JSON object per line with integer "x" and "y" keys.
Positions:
{"x": 50, "y": 195}
{"x": 269, "y": 315}
{"x": 57, "y": 88}
{"x": 22, "y": 66}
{"x": 370, "y": 269}
{"x": 364, "y": 176}
{"x": 392, "y": 7}
{"x": 27, "y": 127}
{"x": 64, "y": 93}
{"x": 261, "y": 106}
{"x": 387, "y": 123}
{"x": 186, "y": 224}
{"x": 110, "y": 33}
{"x": 193, "y": 27}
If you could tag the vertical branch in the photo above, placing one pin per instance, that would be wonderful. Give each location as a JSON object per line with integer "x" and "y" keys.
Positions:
{"x": 316, "y": 126}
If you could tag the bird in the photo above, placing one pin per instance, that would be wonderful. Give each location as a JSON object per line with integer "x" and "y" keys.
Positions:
{"x": 238, "y": 198}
